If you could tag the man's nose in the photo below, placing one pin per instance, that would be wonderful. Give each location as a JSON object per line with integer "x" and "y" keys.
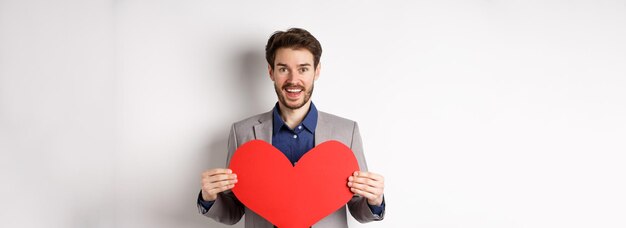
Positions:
{"x": 291, "y": 76}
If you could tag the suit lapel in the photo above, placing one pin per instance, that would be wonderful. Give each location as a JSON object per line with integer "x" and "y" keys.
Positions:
{"x": 323, "y": 129}
{"x": 263, "y": 130}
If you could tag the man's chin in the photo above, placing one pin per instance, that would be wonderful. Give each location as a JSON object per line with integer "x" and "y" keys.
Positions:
{"x": 293, "y": 105}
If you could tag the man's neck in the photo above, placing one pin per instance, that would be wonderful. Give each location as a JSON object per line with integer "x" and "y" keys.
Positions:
{"x": 293, "y": 117}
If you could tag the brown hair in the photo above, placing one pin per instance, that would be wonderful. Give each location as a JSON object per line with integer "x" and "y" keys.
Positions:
{"x": 295, "y": 38}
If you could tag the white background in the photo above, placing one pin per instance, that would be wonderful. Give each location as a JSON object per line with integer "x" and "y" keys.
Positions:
{"x": 478, "y": 113}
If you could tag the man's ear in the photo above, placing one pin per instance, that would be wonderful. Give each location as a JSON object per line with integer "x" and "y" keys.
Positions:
{"x": 317, "y": 71}
{"x": 270, "y": 71}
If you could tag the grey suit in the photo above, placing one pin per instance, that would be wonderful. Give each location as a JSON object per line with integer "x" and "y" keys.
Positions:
{"x": 227, "y": 209}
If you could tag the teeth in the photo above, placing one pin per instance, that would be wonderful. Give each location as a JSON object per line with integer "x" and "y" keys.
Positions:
{"x": 293, "y": 90}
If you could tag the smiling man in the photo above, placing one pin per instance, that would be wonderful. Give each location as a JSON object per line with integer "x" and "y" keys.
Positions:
{"x": 294, "y": 126}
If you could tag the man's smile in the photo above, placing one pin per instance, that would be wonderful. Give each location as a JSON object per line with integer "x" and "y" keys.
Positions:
{"x": 293, "y": 91}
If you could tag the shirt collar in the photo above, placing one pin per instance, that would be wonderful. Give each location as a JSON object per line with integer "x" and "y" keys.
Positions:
{"x": 309, "y": 122}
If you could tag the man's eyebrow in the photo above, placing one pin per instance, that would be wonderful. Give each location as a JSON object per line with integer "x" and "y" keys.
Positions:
{"x": 285, "y": 65}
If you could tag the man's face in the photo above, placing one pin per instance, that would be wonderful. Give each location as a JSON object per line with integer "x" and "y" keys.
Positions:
{"x": 293, "y": 75}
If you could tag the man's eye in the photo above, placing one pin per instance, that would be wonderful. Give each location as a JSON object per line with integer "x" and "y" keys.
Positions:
{"x": 304, "y": 69}
{"x": 282, "y": 69}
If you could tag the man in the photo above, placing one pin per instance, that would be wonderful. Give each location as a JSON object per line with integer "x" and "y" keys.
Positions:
{"x": 294, "y": 126}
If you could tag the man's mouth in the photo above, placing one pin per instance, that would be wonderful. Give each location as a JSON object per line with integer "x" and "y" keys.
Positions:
{"x": 293, "y": 92}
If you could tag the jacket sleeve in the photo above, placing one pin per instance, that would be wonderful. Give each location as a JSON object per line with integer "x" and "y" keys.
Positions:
{"x": 358, "y": 204}
{"x": 227, "y": 208}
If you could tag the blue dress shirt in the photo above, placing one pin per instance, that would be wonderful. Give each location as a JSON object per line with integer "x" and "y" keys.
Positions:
{"x": 294, "y": 143}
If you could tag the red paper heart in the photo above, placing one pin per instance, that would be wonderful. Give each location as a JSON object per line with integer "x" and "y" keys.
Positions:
{"x": 288, "y": 196}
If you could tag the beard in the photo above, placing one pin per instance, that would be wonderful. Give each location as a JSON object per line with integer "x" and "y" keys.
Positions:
{"x": 283, "y": 100}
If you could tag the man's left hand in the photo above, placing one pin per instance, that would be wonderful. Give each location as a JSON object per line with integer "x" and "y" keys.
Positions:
{"x": 369, "y": 185}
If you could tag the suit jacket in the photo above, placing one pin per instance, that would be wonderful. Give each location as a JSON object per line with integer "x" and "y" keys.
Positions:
{"x": 228, "y": 210}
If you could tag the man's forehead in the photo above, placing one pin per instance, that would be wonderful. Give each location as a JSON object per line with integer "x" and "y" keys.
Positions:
{"x": 290, "y": 56}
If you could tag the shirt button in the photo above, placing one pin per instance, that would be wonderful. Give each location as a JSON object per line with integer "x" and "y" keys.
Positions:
{"x": 295, "y": 136}
{"x": 299, "y": 127}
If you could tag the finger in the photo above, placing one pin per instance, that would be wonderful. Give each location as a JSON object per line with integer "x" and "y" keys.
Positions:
{"x": 366, "y": 188}
{"x": 221, "y": 177}
{"x": 365, "y": 194}
{"x": 369, "y": 175}
{"x": 368, "y": 181}
{"x": 212, "y": 172}
{"x": 220, "y": 184}
{"x": 220, "y": 189}
{"x": 210, "y": 182}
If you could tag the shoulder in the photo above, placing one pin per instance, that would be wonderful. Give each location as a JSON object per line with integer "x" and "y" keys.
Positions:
{"x": 253, "y": 120}
{"x": 336, "y": 121}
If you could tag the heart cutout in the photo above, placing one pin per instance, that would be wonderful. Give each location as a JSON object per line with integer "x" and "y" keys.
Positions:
{"x": 293, "y": 196}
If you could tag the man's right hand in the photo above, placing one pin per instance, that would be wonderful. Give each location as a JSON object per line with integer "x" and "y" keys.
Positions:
{"x": 215, "y": 181}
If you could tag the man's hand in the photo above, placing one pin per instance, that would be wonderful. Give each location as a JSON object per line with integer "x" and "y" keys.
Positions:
{"x": 369, "y": 185}
{"x": 215, "y": 181}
